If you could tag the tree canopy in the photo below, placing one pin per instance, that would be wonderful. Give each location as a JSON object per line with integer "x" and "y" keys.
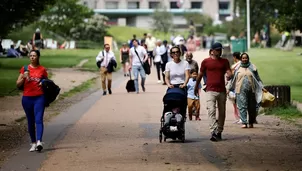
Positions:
{"x": 17, "y": 13}
{"x": 63, "y": 16}
{"x": 162, "y": 20}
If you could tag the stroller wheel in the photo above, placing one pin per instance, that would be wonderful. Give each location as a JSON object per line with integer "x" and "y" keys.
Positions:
{"x": 165, "y": 139}
{"x": 183, "y": 138}
{"x": 160, "y": 138}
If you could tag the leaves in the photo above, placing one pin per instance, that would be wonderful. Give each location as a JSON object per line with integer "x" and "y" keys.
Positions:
{"x": 63, "y": 16}
{"x": 18, "y": 13}
{"x": 162, "y": 20}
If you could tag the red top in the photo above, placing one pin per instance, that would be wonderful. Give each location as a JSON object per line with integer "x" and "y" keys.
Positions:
{"x": 215, "y": 70}
{"x": 31, "y": 85}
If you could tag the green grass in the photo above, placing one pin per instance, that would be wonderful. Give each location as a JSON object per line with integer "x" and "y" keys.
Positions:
{"x": 289, "y": 113}
{"x": 123, "y": 33}
{"x": 278, "y": 67}
{"x": 9, "y": 67}
{"x": 82, "y": 87}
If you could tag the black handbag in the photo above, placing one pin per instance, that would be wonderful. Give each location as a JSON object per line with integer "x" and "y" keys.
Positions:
{"x": 145, "y": 65}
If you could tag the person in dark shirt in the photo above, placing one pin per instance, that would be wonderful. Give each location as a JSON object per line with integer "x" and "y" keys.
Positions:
{"x": 215, "y": 68}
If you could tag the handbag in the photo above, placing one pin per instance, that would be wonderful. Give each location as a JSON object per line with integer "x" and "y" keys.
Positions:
{"x": 145, "y": 65}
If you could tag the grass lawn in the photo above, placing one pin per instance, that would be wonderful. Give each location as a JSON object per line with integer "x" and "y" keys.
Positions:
{"x": 9, "y": 67}
{"x": 278, "y": 67}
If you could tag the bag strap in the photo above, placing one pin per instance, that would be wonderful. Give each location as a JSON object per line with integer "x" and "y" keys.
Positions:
{"x": 138, "y": 57}
{"x": 103, "y": 54}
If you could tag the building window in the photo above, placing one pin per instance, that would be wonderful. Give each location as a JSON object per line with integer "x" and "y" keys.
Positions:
{"x": 174, "y": 5}
{"x": 133, "y": 5}
{"x": 196, "y": 5}
{"x": 111, "y": 5}
{"x": 224, "y": 5}
{"x": 154, "y": 4}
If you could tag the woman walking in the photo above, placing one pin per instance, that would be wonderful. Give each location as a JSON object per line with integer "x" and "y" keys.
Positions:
{"x": 33, "y": 101}
{"x": 124, "y": 58}
{"x": 231, "y": 95}
{"x": 248, "y": 88}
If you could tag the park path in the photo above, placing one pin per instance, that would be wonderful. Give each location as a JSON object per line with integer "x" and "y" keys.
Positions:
{"x": 120, "y": 132}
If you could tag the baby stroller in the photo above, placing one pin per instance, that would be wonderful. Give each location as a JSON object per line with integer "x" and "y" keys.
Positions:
{"x": 175, "y": 103}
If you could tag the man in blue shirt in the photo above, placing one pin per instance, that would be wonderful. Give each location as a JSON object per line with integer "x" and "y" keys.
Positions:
{"x": 193, "y": 100}
{"x": 12, "y": 52}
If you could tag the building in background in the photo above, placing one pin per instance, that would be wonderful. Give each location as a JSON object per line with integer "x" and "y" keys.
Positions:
{"x": 137, "y": 12}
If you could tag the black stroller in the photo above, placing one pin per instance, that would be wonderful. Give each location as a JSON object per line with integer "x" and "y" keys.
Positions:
{"x": 174, "y": 98}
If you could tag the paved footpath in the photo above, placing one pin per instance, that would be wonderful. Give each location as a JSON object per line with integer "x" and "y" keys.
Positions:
{"x": 120, "y": 132}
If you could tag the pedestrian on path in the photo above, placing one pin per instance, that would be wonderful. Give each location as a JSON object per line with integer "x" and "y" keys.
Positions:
{"x": 138, "y": 56}
{"x": 215, "y": 67}
{"x": 232, "y": 95}
{"x": 107, "y": 59}
{"x": 33, "y": 100}
{"x": 193, "y": 100}
{"x": 193, "y": 64}
{"x": 159, "y": 61}
{"x": 248, "y": 88}
{"x": 124, "y": 58}
{"x": 177, "y": 72}
{"x": 204, "y": 77}
{"x": 151, "y": 44}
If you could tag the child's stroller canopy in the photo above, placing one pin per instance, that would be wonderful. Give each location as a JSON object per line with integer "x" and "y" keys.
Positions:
{"x": 175, "y": 94}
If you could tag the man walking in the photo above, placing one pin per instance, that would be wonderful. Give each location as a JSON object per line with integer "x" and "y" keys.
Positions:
{"x": 193, "y": 64}
{"x": 215, "y": 67}
{"x": 106, "y": 59}
{"x": 151, "y": 44}
{"x": 138, "y": 56}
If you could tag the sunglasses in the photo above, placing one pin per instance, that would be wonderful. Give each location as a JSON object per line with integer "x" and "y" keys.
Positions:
{"x": 175, "y": 52}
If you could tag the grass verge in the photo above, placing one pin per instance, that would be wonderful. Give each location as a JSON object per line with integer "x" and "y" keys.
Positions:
{"x": 82, "y": 87}
{"x": 287, "y": 112}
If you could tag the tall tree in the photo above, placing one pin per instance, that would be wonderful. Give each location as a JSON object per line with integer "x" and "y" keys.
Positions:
{"x": 17, "y": 13}
{"x": 65, "y": 15}
{"x": 162, "y": 20}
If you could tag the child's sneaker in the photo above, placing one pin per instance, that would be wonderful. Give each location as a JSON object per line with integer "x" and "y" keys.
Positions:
{"x": 198, "y": 119}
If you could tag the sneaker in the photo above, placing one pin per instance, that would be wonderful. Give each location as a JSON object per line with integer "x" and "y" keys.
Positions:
{"x": 104, "y": 93}
{"x": 159, "y": 81}
{"x": 218, "y": 136}
{"x": 124, "y": 75}
{"x": 109, "y": 90}
{"x": 198, "y": 119}
{"x": 33, "y": 147}
{"x": 39, "y": 146}
{"x": 213, "y": 137}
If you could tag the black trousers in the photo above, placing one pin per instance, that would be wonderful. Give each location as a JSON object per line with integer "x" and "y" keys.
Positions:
{"x": 160, "y": 68}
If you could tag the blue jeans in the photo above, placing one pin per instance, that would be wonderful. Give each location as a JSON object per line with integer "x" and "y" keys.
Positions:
{"x": 34, "y": 109}
{"x": 138, "y": 69}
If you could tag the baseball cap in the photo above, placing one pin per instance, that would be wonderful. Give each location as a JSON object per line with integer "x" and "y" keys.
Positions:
{"x": 217, "y": 45}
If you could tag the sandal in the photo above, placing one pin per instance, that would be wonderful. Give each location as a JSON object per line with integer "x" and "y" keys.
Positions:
{"x": 244, "y": 126}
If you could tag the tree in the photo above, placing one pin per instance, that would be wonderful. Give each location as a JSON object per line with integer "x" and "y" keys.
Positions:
{"x": 94, "y": 29}
{"x": 17, "y": 13}
{"x": 288, "y": 16}
{"x": 64, "y": 16}
{"x": 162, "y": 20}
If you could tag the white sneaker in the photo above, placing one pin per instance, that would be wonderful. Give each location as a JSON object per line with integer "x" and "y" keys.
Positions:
{"x": 158, "y": 81}
{"x": 39, "y": 146}
{"x": 33, "y": 147}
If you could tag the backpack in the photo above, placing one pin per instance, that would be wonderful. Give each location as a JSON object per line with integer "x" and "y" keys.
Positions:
{"x": 22, "y": 86}
{"x": 51, "y": 91}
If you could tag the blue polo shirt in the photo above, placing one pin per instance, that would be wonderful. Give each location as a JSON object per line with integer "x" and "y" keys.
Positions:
{"x": 191, "y": 86}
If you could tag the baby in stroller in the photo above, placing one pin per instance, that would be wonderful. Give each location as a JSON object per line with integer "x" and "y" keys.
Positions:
{"x": 174, "y": 115}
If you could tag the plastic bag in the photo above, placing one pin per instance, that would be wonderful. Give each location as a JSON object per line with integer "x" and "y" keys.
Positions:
{"x": 267, "y": 99}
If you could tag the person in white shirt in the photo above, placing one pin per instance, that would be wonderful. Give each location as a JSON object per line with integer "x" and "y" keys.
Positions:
{"x": 159, "y": 51}
{"x": 151, "y": 44}
{"x": 177, "y": 71}
{"x": 105, "y": 57}
{"x": 138, "y": 55}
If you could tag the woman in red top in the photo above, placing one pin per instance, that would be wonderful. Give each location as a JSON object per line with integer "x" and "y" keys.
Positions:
{"x": 33, "y": 101}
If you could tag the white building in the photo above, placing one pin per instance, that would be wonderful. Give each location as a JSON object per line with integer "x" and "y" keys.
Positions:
{"x": 137, "y": 12}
